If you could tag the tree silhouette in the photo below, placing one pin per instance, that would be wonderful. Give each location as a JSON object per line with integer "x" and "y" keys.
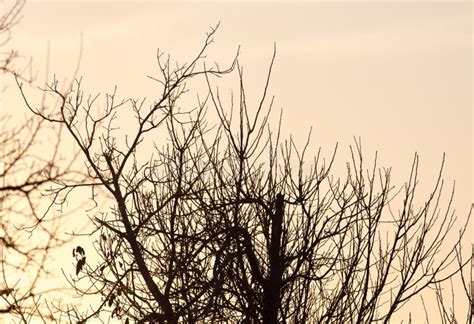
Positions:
{"x": 28, "y": 236}
{"x": 231, "y": 222}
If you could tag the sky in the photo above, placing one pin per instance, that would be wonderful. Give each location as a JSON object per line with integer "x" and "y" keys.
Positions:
{"x": 396, "y": 74}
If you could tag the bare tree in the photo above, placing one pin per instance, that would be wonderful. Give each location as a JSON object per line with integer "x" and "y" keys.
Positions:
{"x": 153, "y": 266}
{"x": 10, "y": 60}
{"x": 27, "y": 235}
{"x": 305, "y": 246}
{"x": 229, "y": 222}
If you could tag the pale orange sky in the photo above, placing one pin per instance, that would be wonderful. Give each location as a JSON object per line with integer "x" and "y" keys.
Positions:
{"x": 397, "y": 74}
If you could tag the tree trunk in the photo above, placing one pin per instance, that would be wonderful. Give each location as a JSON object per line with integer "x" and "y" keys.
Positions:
{"x": 272, "y": 288}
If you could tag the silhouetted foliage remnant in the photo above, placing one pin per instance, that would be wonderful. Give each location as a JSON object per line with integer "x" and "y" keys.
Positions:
{"x": 80, "y": 255}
